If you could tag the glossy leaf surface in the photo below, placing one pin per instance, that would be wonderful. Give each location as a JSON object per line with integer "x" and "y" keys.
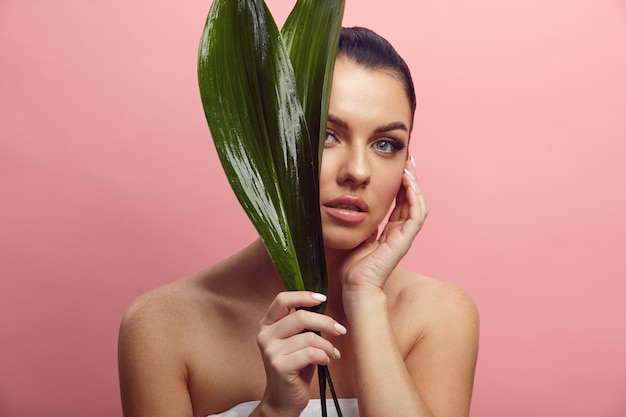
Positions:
{"x": 311, "y": 35}
{"x": 251, "y": 102}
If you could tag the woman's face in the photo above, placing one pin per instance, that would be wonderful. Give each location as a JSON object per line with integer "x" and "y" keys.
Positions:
{"x": 366, "y": 147}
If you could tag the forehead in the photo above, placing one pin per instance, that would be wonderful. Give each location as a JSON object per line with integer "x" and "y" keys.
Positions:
{"x": 367, "y": 92}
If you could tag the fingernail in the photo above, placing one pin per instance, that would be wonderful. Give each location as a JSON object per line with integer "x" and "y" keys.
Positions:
{"x": 408, "y": 174}
{"x": 337, "y": 353}
{"x": 318, "y": 297}
{"x": 413, "y": 162}
{"x": 340, "y": 328}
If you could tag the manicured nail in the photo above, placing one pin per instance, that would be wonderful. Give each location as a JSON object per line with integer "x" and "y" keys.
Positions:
{"x": 340, "y": 328}
{"x": 318, "y": 297}
{"x": 413, "y": 162}
{"x": 408, "y": 174}
{"x": 337, "y": 353}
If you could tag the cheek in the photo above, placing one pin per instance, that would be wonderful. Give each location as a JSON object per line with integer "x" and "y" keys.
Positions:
{"x": 387, "y": 190}
{"x": 327, "y": 172}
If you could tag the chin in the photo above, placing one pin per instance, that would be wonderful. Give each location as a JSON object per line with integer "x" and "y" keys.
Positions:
{"x": 341, "y": 246}
{"x": 342, "y": 241}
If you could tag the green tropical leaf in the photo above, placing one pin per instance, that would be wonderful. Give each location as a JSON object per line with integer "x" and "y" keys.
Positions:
{"x": 311, "y": 35}
{"x": 268, "y": 124}
{"x": 250, "y": 97}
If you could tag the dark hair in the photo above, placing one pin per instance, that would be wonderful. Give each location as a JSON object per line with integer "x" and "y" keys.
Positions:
{"x": 367, "y": 48}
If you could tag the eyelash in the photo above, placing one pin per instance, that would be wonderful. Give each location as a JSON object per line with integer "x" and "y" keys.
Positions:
{"x": 331, "y": 134}
{"x": 396, "y": 145}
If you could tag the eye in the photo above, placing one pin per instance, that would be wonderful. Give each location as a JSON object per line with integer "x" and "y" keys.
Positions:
{"x": 330, "y": 138}
{"x": 389, "y": 146}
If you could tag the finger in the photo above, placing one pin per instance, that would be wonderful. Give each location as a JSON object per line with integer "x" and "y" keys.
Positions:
{"x": 299, "y": 321}
{"x": 421, "y": 211}
{"x": 419, "y": 201}
{"x": 286, "y": 301}
{"x": 418, "y": 190}
{"x": 401, "y": 210}
{"x": 298, "y": 360}
{"x": 303, "y": 341}
{"x": 410, "y": 204}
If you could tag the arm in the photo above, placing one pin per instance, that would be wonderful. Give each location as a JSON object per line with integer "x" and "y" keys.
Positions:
{"x": 434, "y": 378}
{"x": 443, "y": 361}
{"x": 153, "y": 377}
{"x": 384, "y": 383}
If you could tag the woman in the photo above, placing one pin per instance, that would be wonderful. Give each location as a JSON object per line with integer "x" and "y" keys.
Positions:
{"x": 396, "y": 343}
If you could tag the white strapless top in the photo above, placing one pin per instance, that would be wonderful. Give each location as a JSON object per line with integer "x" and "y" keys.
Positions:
{"x": 349, "y": 408}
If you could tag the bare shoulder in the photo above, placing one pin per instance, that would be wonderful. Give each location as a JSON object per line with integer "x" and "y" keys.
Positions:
{"x": 438, "y": 330}
{"x": 157, "y": 328}
{"x": 152, "y": 343}
{"x": 440, "y": 296}
{"x": 433, "y": 309}
{"x": 222, "y": 290}
{"x": 176, "y": 343}
{"x": 161, "y": 310}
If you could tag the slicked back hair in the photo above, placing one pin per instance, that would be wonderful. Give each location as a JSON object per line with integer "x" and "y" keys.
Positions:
{"x": 365, "y": 47}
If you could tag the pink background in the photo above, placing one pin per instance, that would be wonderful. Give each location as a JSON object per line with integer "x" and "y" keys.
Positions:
{"x": 109, "y": 186}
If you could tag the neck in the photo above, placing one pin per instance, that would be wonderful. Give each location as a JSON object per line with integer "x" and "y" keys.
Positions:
{"x": 334, "y": 263}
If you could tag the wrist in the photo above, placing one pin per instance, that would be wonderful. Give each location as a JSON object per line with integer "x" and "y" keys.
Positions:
{"x": 268, "y": 409}
{"x": 363, "y": 301}
{"x": 264, "y": 410}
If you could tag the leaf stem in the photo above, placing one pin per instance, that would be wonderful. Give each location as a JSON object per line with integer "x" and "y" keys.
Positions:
{"x": 321, "y": 376}
{"x": 324, "y": 376}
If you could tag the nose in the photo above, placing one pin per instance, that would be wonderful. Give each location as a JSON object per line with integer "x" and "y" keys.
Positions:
{"x": 355, "y": 168}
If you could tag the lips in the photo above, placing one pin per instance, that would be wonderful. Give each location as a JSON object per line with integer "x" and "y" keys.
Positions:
{"x": 347, "y": 208}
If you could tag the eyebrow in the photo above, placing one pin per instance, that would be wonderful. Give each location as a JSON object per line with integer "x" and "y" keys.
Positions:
{"x": 391, "y": 126}
{"x": 381, "y": 129}
{"x": 337, "y": 121}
